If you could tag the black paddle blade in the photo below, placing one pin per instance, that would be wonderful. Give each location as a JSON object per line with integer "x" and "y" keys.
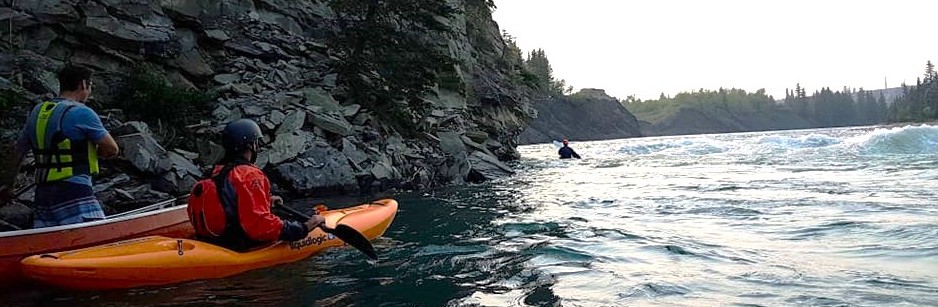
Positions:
{"x": 354, "y": 238}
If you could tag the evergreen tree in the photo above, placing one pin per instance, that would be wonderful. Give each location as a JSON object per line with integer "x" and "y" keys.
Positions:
{"x": 538, "y": 64}
{"x": 919, "y": 102}
{"x": 513, "y": 51}
{"x": 929, "y": 72}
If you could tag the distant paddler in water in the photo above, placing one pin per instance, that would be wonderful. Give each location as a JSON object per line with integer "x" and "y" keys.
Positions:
{"x": 565, "y": 151}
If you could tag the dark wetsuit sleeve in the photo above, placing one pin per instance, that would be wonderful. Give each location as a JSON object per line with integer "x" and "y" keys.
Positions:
{"x": 575, "y": 155}
{"x": 293, "y": 231}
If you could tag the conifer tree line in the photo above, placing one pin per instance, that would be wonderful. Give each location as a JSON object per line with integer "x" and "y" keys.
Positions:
{"x": 822, "y": 108}
{"x": 536, "y": 62}
{"x": 918, "y": 102}
{"x": 827, "y": 108}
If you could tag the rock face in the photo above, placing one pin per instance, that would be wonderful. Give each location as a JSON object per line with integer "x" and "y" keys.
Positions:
{"x": 317, "y": 170}
{"x": 587, "y": 115}
{"x": 173, "y": 173}
{"x": 269, "y": 61}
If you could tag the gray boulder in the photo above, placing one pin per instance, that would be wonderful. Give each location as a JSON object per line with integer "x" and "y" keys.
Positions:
{"x": 351, "y": 110}
{"x": 227, "y": 78}
{"x": 179, "y": 165}
{"x": 130, "y": 36}
{"x": 384, "y": 171}
{"x": 51, "y": 11}
{"x": 17, "y": 214}
{"x": 179, "y": 175}
{"x": 320, "y": 98}
{"x": 132, "y": 128}
{"x": 195, "y": 11}
{"x": 288, "y": 146}
{"x": 17, "y": 19}
{"x": 457, "y": 165}
{"x": 329, "y": 80}
{"x": 300, "y": 9}
{"x": 119, "y": 179}
{"x": 174, "y": 173}
{"x": 190, "y": 59}
{"x": 292, "y": 122}
{"x": 332, "y": 122}
{"x": 321, "y": 169}
{"x": 487, "y": 167}
{"x": 210, "y": 152}
{"x": 142, "y": 151}
{"x": 355, "y": 156}
{"x": 217, "y": 35}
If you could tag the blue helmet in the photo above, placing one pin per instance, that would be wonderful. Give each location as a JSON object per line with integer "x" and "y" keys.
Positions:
{"x": 240, "y": 134}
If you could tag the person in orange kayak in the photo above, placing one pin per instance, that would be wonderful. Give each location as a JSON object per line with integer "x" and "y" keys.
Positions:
{"x": 231, "y": 208}
{"x": 566, "y": 152}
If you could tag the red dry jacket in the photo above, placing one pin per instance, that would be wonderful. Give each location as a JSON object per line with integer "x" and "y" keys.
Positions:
{"x": 234, "y": 210}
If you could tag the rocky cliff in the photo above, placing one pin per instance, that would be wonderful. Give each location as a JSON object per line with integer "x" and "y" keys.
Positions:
{"x": 590, "y": 114}
{"x": 270, "y": 61}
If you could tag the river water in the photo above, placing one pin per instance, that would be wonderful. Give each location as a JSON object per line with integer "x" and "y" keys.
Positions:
{"x": 827, "y": 217}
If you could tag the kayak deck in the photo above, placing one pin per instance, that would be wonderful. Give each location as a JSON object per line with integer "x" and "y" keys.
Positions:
{"x": 158, "y": 260}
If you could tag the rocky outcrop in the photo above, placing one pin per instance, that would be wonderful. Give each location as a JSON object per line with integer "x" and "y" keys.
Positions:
{"x": 268, "y": 61}
{"x": 172, "y": 172}
{"x": 587, "y": 115}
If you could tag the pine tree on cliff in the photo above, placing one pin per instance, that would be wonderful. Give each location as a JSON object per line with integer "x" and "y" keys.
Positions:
{"x": 490, "y": 4}
{"x": 511, "y": 44}
{"x": 538, "y": 64}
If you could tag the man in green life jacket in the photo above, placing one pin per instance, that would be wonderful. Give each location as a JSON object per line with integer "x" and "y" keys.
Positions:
{"x": 66, "y": 138}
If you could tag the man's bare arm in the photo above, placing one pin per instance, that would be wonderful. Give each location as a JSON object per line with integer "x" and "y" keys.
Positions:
{"x": 107, "y": 147}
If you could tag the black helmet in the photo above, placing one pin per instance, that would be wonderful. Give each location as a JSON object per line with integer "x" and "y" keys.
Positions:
{"x": 240, "y": 135}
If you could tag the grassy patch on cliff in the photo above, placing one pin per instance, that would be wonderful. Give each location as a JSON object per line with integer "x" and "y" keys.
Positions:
{"x": 149, "y": 96}
{"x": 653, "y": 114}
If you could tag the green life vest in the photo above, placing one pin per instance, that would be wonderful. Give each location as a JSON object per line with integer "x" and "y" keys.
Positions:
{"x": 58, "y": 157}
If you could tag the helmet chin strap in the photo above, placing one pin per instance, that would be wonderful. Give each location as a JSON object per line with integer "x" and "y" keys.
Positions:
{"x": 253, "y": 153}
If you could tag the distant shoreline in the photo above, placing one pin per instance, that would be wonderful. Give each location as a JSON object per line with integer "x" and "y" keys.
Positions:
{"x": 900, "y": 124}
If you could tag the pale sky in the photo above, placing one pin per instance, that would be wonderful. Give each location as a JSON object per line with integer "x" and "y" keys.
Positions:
{"x": 652, "y": 46}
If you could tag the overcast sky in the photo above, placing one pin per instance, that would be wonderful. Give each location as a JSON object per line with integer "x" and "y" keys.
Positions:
{"x": 652, "y": 46}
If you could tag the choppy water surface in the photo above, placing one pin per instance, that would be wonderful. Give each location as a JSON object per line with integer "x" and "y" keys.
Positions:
{"x": 832, "y": 217}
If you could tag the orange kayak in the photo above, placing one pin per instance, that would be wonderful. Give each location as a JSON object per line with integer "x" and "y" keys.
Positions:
{"x": 163, "y": 218}
{"x": 158, "y": 260}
